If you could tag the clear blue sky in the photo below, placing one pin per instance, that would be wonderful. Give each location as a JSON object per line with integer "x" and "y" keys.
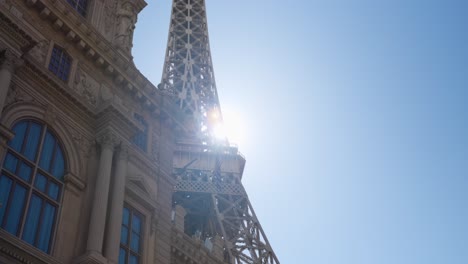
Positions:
{"x": 356, "y": 122}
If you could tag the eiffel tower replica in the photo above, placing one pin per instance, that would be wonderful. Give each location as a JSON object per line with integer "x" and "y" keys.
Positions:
{"x": 211, "y": 204}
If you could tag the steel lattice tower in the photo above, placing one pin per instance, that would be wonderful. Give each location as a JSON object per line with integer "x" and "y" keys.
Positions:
{"x": 207, "y": 175}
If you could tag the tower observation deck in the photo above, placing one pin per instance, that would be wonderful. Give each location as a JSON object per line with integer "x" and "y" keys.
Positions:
{"x": 209, "y": 199}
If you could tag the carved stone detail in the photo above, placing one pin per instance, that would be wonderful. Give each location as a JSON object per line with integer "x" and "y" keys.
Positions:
{"x": 108, "y": 140}
{"x": 126, "y": 19}
{"x": 110, "y": 7}
{"x": 86, "y": 86}
{"x": 83, "y": 143}
{"x": 39, "y": 51}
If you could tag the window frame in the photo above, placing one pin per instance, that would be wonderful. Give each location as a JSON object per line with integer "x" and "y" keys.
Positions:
{"x": 141, "y": 138}
{"x": 82, "y": 12}
{"x": 127, "y": 247}
{"x": 30, "y": 185}
{"x": 64, "y": 54}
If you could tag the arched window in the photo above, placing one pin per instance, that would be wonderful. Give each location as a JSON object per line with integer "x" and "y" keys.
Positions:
{"x": 31, "y": 184}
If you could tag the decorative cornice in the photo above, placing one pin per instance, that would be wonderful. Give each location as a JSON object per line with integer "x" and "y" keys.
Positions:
{"x": 17, "y": 249}
{"x": 100, "y": 51}
{"x": 16, "y": 35}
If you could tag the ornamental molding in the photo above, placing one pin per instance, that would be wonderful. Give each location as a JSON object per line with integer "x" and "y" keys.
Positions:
{"x": 97, "y": 49}
{"x": 21, "y": 251}
{"x": 108, "y": 139}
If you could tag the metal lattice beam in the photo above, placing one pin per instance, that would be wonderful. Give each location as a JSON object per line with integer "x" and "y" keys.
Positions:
{"x": 188, "y": 69}
{"x": 215, "y": 201}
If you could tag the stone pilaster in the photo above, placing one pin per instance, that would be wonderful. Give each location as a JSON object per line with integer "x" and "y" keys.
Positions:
{"x": 111, "y": 247}
{"x": 97, "y": 222}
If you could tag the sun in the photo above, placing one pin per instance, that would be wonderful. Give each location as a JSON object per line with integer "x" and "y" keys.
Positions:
{"x": 233, "y": 127}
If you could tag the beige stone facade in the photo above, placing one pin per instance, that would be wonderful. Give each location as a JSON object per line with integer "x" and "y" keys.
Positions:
{"x": 124, "y": 146}
{"x": 92, "y": 115}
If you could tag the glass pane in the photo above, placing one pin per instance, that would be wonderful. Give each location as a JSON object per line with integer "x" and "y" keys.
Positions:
{"x": 125, "y": 216}
{"x": 19, "y": 130}
{"x": 124, "y": 235}
{"x": 47, "y": 223}
{"x": 135, "y": 243}
{"x": 136, "y": 224}
{"x": 53, "y": 190}
{"x": 25, "y": 172}
{"x": 5, "y": 187}
{"x": 40, "y": 182}
{"x": 32, "y": 141}
{"x": 10, "y": 163}
{"x": 47, "y": 151}
{"x": 32, "y": 219}
{"x": 16, "y": 209}
{"x": 58, "y": 169}
{"x": 122, "y": 256}
{"x": 133, "y": 259}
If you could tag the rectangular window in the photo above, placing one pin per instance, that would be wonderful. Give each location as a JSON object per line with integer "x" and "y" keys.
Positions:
{"x": 141, "y": 138}
{"x": 79, "y": 6}
{"x": 131, "y": 236}
{"x": 60, "y": 63}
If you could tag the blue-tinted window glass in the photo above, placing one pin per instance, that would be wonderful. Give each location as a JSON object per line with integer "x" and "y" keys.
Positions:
{"x": 53, "y": 190}
{"x": 19, "y": 130}
{"x": 34, "y": 212}
{"x": 24, "y": 212}
{"x": 47, "y": 222}
{"x": 124, "y": 235}
{"x": 79, "y": 6}
{"x": 40, "y": 182}
{"x": 59, "y": 164}
{"x": 47, "y": 151}
{"x": 130, "y": 236}
{"x": 136, "y": 223}
{"x": 5, "y": 187}
{"x": 125, "y": 216}
{"x": 135, "y": 243}
{"x": 25, "y": 171}
{"x": 60, "y": 63}
{"x": 141, "y": 138}
{"x": 133, "y": 259}
{"x": 10, "y": 163}
{"x": 15, "y": 209}
{"x": 122, "y": 256}
{"x": 32, "y": 141}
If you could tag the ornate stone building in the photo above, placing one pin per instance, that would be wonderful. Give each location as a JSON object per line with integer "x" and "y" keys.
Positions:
{"x": 98, "y": 165}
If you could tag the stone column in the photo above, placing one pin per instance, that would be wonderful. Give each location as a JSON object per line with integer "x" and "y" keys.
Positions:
{"x": 112, "y": 245}
{"x": 8, "y": 63}
{"x": 97, "y": 222}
